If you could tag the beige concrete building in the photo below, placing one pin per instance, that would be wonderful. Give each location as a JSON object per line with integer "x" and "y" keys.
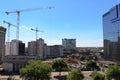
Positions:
{"x": 36, "y": 48}
{"x": 31, "y": 48}
{"x": 15, "y": 47}
{"x": 7, "y": 49}
{"x": 40, "y": 47}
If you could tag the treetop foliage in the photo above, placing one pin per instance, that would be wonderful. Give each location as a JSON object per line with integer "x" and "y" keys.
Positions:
{"x": 91, "y": 65}
{"x": 113, "y": 72}
{"x": 75, "y": 74}
{"x": 59, "y": 65}
{"x": 97, "y": 76}
{"x": 36, "y": 70}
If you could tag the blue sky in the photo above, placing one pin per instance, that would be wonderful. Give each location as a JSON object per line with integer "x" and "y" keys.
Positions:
{"x": 80, "y": 19}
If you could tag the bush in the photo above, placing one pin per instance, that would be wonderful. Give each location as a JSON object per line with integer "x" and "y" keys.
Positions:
{"x": 91, "y": 65}
{"x": 59, "y": 65}
{"x": 113, "y": 72}
{"x": 36, "y": 70}
{"x": 82, "y": 58}
{"x": 97, "y": 76}
{"x": 75, "y": 74}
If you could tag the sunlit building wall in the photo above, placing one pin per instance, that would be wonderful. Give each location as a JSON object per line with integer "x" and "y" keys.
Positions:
{"x": 111, "y": 33}
{"x": 15, "y": 47}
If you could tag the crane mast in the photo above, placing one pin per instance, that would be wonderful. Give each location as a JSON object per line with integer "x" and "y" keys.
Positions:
{"x": 36, "y": 30}
{"x": 9, "y": 24}
{"x": 18, "y": 16}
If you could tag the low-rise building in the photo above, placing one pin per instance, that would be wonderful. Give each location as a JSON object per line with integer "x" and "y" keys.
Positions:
{"x": 13, "y": 63}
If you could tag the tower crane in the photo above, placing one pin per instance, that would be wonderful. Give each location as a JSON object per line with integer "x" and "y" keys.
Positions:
{"x": 9, "y": 24}
{"x": 18, "y": 16}
{"x": 36, "y": 30}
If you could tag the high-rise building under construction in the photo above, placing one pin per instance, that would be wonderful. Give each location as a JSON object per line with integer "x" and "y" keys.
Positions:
{"x": 2, "y": 41}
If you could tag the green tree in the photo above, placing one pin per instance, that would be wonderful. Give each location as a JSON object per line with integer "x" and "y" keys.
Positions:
{"x": 82, "y": 58}
{"x": 113, "y": 72}
{"x": 59, "y": 65}
{"x": 97, "y": 76}
{"x": 75, "y": 74}
{"x": 36, "y": 70}
{"x": 91, "y": 65}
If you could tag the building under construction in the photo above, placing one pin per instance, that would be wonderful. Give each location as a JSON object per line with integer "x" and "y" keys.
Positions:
{"x": 15, "y": 47}
{"x": 2, "y": 41}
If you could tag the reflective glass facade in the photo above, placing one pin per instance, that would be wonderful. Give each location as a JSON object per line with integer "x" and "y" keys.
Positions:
{"x": 111, "y": 33}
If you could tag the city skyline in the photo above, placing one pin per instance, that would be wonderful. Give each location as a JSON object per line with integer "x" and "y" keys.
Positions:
{"x": 69, "y": 19}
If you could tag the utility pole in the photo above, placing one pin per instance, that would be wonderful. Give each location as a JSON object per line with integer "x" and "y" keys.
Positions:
{"x": 9, "y": 24}
{"x": 36, "y": 30}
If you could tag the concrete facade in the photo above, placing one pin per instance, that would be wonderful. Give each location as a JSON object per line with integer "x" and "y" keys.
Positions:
{"x": 32, "y": 48}
{"x": 7, "y": 48}
{"x": 15, "y": 47}
{"x": 69, "y": 44}
{"x": 40, "y": 47}
{"x": 54, "y": 51}
{"x": 2, "y": 41}
{"x": 45, "y": 51}
{"x": 13, "y": 63}
{"x": 36, "y": 48}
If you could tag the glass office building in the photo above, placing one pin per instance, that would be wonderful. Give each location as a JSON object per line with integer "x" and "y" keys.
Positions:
{"x": 111, "y": 33}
